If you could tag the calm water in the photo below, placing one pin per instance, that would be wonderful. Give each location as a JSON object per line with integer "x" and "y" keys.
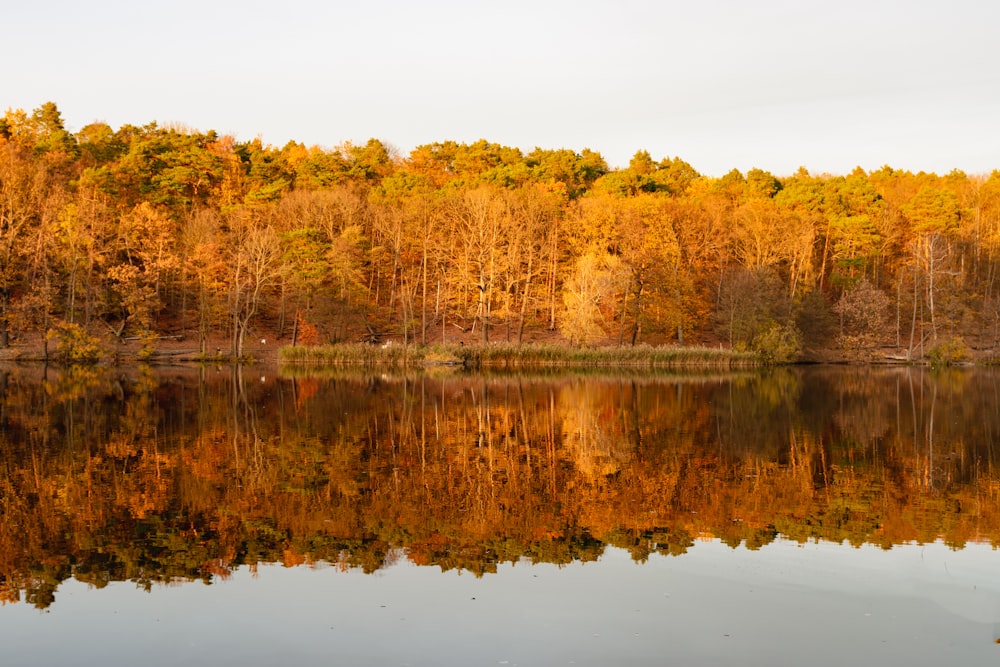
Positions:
{"x": 219, "y": 517}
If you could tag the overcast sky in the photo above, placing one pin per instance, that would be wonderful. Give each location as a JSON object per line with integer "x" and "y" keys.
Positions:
{"x": 770, "y": 84}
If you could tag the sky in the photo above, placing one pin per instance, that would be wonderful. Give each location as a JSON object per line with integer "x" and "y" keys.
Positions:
{"x": 769, "y": 84}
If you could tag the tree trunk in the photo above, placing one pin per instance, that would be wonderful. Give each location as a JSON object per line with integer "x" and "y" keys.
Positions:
{"x": 637, "y": 311}
{"x": 423, "y": 299}
{"x": 4, "y": 326}
{"x": 483, "y": 313}
{"x": 524, "y": 300}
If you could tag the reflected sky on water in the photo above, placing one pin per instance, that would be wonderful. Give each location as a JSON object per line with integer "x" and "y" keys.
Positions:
{"x": 785, "y": 604}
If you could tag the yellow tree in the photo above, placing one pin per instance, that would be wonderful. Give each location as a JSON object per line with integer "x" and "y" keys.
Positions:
{"x": 758, "y": 234}
{"x": 80, "y": 249}
{"x": 28, "y": 200}
{"x": 480, "y": 218}
{"x": 934, "y": 214}
{"x": 647, "y": 248}
{"x": 535, "y": 210}
{"x": 702, "y": 227}
{"x": 765, "y": 235}
{"x": 988, "y": 229}
{"x": 402, "y": 214}
{"x": 595, "y": 279}
{"x": 145, "y": 255}
{"x": 205, "y": 270}
{"x": 635, "y": 234}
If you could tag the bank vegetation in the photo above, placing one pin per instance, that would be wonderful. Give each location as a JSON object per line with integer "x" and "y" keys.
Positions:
{"x": 147, "y": 234}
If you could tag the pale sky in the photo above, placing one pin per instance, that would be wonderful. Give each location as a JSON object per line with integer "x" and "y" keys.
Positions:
{"x": 729, "y": 84}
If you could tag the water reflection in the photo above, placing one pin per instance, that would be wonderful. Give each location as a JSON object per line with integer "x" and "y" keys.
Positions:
{"x": 189, "y": 474}
{"x": 785, "y": 604}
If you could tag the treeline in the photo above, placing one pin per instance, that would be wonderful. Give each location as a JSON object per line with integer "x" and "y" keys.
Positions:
{"x": 189, "y": 475}
{"x": 147, "y": 231}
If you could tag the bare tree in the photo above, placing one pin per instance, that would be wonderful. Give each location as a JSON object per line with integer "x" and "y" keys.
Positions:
{"x": 255, "y": 267}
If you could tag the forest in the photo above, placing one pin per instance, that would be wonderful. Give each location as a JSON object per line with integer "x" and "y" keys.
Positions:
{"x": 150, "y": 233}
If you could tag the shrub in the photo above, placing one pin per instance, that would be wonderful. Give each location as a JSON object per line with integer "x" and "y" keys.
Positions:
{"x": 147, "y": 348}
{"x": 74, "y": 344}
{"x": 863, "y": 311}
{"x": 778, "y": 344}
{"x": 950, "y": 352}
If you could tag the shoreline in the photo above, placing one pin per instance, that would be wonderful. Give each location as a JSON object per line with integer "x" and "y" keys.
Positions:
{"x": 499, "y": 355}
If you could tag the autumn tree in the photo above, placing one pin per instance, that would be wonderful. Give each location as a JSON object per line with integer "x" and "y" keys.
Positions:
{"x": 205, "y": 271}
{"x": 144, "y": 257}
{"x": 480, "y": 216}
{"x": 25, "y": 199}
{"x": 766, "y": 234}
{"x": 863, "y": 310}
{"x": 402, "y": 215}
{"x": 254, "y": 268}
{"x": 751, "y": 303}
{"x": 585, "y": 292}
{"x": 933, "y": 214}
{"x": 534, "y": 215}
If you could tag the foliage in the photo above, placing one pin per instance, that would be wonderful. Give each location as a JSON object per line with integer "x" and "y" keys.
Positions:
{"x": 147, "y": 341}
{"x": 73, "y": 344}
{"x": 168, "y": 229}
{"x": 815, "y": 319}
{"x": 949, "y": 352}
{"x": 778, "y": 344}
{"x": 590, "y": 286}
{"x": 751, "y": 304}
{"x": 863, "y": 310}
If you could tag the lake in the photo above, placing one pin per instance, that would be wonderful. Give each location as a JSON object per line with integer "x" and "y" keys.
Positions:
{"x": 248, "y": 516}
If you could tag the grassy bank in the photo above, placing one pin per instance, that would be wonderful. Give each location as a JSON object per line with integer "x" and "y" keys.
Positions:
{"x": 508, "y": 355}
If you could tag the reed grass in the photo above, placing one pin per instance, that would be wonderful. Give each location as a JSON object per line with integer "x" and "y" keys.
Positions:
{"x": 693, "y": 375}
{"x": 512, "y": 355}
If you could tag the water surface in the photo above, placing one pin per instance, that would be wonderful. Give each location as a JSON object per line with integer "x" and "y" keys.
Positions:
{"x": 228, "y": 516}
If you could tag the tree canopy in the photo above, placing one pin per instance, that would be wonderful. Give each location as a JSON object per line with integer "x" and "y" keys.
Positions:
{"x": 150, "y": 230}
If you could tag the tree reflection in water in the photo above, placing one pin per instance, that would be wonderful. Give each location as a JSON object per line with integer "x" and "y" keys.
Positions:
{"x": 173, "y": 475}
